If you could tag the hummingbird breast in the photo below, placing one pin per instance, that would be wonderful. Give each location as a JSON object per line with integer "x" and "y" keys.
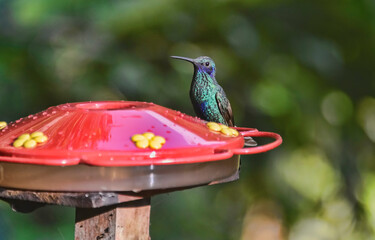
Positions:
{"x": 203, "y": 97}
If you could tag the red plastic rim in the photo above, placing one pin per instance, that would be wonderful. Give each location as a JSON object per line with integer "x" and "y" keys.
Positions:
{"x": 251, "y": 132}
{"x": 118, "y": 105}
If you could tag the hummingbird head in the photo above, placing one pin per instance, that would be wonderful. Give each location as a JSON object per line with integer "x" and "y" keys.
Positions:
{"x": 203, "y": 64}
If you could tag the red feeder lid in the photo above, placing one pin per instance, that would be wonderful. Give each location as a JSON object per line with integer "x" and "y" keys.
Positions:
{"x": 99, "y": 133}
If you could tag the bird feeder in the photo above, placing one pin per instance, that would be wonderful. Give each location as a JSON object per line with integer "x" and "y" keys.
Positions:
{"x": 108, "y": 159}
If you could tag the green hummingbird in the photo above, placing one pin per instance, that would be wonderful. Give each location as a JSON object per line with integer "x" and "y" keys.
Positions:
{"x": 208, "y": 98}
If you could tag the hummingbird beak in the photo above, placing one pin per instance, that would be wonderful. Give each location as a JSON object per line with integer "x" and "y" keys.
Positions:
{"x": 184, "y": 58}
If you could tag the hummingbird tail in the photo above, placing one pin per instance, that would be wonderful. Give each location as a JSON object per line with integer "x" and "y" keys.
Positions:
{"x": 250, "y": 142}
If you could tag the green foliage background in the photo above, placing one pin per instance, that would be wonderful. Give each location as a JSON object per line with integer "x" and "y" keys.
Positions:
{"x": 304, "y": 69}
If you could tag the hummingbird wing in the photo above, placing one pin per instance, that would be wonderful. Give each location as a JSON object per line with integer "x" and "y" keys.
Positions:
{"x": 225, "y": 108}
{"x": 226, "y": 112}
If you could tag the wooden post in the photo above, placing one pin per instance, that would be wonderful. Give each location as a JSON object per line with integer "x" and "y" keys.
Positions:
{"x": 124, "y": 221}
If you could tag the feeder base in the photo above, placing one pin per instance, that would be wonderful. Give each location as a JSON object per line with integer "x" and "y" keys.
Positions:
{"x": 87, "y": 178}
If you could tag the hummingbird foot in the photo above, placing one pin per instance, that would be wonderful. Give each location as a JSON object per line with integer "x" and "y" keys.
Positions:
{"x": 250, "y": 142}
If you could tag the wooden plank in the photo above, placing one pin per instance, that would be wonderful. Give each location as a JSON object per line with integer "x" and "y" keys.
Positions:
{"x": 125, "y": 221}
{"x": 72, "y": 199}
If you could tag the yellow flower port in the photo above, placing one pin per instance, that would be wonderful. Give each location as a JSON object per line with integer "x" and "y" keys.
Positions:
{"x": 148, "y": 139}
{"x": 3, "y": 124}
{"x": 32, "y": 140}
{"x": 221, "y": 128}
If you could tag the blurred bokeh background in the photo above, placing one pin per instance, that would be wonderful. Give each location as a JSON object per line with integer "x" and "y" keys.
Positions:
{"x": 304, "y": 69}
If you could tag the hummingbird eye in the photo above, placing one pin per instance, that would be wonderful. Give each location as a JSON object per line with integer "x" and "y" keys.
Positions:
{"x": 207, "y": 64}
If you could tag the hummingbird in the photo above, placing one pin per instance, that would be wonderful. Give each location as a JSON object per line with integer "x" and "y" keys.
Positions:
{"x": 209, "y": 100}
